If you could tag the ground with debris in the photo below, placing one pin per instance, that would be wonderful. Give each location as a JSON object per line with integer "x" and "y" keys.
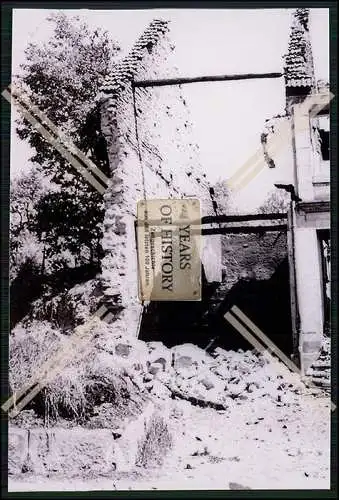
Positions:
{"x": 258, "y": 445}
{"x": 231, "y": 420}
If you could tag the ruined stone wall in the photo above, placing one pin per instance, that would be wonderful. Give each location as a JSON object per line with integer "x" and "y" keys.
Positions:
{"x": 252, "y": 256}
{"x": 151, "y": 151}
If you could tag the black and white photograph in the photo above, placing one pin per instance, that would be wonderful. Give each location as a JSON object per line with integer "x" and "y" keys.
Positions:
{"x": 170, "y": 250}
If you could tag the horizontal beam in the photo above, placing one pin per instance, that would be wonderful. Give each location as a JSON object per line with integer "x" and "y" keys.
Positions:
{"x": 209, "y": 219}
{"x": 314, "y": 206}
{"x": 219, "y": 219}
{"x": 210, "y": 78}
{"x": 244, "y": 230}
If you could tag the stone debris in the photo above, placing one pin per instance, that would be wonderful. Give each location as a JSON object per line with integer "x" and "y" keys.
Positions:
{"x": 208, "y": 428}
{"x": 189, "y": 372}
{"x": 320, "y": 371}
{"x": 174, "y": 379}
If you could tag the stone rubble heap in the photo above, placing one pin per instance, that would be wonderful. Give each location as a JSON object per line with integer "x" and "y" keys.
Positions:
{"x": 217, "y": 380}
{"x": 156, "y": 375}
{"x": 320, "y": 371}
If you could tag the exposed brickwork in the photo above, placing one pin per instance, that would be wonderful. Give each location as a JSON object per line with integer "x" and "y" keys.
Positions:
{"x": 299, "y": 69}
{"x": 151, "y": 151}
{"x": 254, "y": 256}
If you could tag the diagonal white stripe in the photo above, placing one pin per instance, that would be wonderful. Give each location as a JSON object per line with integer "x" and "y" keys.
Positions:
{"x": 58, "y": 133}
{"x": 318, "y": 101}
{"x": 244, "y": 332}
{"x": 54, "y": 365}
{"x": 55, "y": 143}
{"x": 265, "y": 339}
{"x": 272, "y": 347}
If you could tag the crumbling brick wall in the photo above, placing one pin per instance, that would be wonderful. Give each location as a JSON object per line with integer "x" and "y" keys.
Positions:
{"x": 151, "y": 151}
{"x": 252, "y": 256}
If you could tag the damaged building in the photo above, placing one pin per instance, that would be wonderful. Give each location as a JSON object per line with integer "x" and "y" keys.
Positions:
{"x": 152, "y": 154}
{"x": 306, "y": 149}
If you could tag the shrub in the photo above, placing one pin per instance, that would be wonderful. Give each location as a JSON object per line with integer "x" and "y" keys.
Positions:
{"x": 31, "y": 347}
{"x": 155, "y": 444}
{"x": 89, "y": 379}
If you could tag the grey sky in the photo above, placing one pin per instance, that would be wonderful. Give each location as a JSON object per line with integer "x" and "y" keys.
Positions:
{"x": 228, "y": 117}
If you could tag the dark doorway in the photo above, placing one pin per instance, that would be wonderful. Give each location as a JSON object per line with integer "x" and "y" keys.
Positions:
{"x": 325, "y": 256}
{"x": 265, "y": 302}
{"x": 177, "y": 322}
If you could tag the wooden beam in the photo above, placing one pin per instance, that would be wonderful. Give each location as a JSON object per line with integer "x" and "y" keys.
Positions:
{"x": 213, "y": 219}
{"x": 209, "y": 219}
{"x": 210, "y": 78}
{"x": 244, "y": 230}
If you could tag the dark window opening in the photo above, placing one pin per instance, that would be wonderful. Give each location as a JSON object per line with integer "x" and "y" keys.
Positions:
{"x": 325, "y": 250}
{"x": 324, "y": 144}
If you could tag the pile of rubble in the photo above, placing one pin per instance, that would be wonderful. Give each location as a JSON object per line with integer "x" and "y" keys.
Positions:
{"x": 217, "y": 380}
{"x": 320, "y": 371}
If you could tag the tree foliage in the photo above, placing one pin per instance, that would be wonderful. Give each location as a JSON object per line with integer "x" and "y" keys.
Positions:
{"x": 61, "y": 76}
{"x": 276, "y": 202}
{"x": 25, "y": 193}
